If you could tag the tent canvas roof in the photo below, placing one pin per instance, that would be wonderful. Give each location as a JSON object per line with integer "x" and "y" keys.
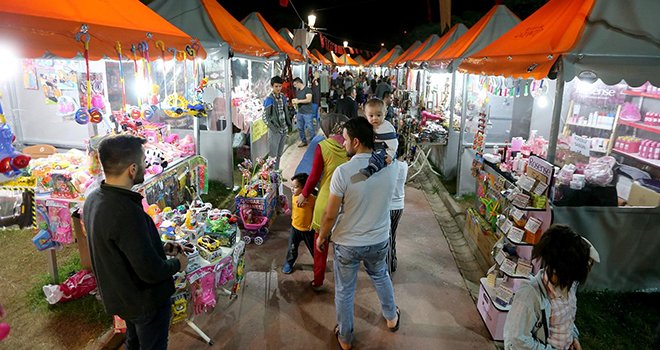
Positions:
{"x": 491, "y": 26}
{"x": 432, "y": 39}
{"x": 416, "y": 45}
{"x": 348, "y": 59}
{"x": 212, "y": 24}
{"x": 335, "y": 59}
{"x": 447, "y": 39}
{"x": 287, "y": 35}
{"x": 256, "y": 23}
{"x": 321, "y": 58}
{"x": 618, "y": 42}
{"x": 38, "y": 27}
{"x": 393, "y": 54}
{"x": 535, "y": 42}
{"x": 360, "y": 60}
{"x": 378, "y": 55}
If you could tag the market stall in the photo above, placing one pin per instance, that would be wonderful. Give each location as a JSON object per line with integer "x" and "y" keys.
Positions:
{"x": 236, "y": 100}
{"x": 601, "y": 140}
{"x": 442, "y": 67}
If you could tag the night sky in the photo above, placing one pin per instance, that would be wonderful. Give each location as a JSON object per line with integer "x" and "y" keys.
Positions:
{"x": 367, "y": 23}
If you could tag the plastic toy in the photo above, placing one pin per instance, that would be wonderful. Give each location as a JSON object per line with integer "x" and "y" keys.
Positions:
{"x": 167, "y": 231}
{"x": 179, "y": 307}
{"x": 203, "y": 294}
{"x": 255, "y": 226}
{"x": 154, "y": 161}
{"x": 180, "y": 281}
{"x": 209, "y": 243}
{"x": 11, "y": 161}
{"x": 93, "y": 114}
{"x": 60, "y": 219}
{"x": 4, "y": 327}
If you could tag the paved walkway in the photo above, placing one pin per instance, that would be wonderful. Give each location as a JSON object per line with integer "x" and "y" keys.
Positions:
{"x": 277, "y": 311}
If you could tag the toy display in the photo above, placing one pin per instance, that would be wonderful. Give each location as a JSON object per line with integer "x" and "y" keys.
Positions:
{"x": 258, "y": 197}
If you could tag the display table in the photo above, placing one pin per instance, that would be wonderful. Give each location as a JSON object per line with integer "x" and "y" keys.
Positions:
{"x": 180, "y": 183}
{"x": 422, "y": 155}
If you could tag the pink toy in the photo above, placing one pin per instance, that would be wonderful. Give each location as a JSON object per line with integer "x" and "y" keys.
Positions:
{"x": 4, "y": 328}
{"x": 203, "y": 294}
{"x": 429, "y": 116}
{"x": 172, "y": 138}
{"x": 60, "y": 219}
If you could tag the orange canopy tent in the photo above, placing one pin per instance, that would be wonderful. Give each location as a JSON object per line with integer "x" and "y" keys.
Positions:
{"x": 39, "y": 27}
{"x": 447, "y": 39}
{"x": 378, "y": 55}
{"x": 490, "y": 27}
{"x": 346, "y": 59}
{"x": 287, "y": 35}
{"x": 393, "y": 54}
{"x": 414, "y": 47}
{"x": 405, "y": 58}
{"x": 360, "y": 60}
{"x": 531, "y": 48}
{"x": 212, "y": 25}
{"x": 256, "y": 23}
{"x": 335, "y": 59}
{"x": 322, "y": 58}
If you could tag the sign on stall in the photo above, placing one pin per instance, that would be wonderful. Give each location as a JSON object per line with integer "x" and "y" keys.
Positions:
{"x": 581, "y": 145}
{"x": 259, "y": 129}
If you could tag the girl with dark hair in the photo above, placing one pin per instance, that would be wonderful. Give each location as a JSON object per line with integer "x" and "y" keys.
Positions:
{"x": 543, "y": 311}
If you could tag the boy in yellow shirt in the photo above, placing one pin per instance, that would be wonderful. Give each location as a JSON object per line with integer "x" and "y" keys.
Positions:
{"x": 301, "y": 223}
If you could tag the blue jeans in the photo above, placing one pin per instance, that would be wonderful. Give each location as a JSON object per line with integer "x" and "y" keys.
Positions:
{"x": 316, "y": 111}
{"x": 347, "y": 264}
{"x": 305, "y": 120}
{"x": 149, "y": 331}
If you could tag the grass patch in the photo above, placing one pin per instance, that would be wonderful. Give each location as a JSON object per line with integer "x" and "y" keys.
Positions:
{"x": 219, "y": 195}
{"x": 609, "y": 320}
{"x": 86, "y": 309}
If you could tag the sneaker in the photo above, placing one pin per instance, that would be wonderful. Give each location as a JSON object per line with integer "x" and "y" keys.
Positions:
{"x": 369, "y": 170}
{"x": 303, "y": 144}
{"x": 287, "y": 269}
{"x": 316, "y": 288}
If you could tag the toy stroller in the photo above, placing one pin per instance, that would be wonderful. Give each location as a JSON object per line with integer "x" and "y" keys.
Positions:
{"x": 255, "y": 226}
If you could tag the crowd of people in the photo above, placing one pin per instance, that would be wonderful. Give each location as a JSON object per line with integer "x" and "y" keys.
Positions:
{"x": 337, "y": 201}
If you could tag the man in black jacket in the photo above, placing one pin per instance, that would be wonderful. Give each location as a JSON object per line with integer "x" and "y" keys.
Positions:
{"x": 133, "y": 273}
{"x": 347, "y": 105}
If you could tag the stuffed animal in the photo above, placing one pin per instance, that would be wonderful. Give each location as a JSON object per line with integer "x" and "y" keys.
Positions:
{"x": 155, "y": 161}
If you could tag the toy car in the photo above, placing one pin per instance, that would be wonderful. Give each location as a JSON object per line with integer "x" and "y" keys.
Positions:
{"x": 209, "y": 243}
{"x": 167, "y": 230}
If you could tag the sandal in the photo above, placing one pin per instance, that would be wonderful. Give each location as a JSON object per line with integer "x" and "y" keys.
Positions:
{"x": 398, "y": 320}
{"x": 339, "y": 341}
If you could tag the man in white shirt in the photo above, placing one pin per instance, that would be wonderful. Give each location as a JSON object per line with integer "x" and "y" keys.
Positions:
{"x": 358, "y": 213}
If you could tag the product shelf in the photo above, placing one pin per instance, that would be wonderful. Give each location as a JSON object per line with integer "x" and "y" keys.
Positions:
{"x": 641, "y": 126}
{"x": 491, "y": 295}
{"x": 653, "y": 162}
{"x": 515, "y": 242}
{"x": 641, "y": 94}
{"x": 589, "y": 126}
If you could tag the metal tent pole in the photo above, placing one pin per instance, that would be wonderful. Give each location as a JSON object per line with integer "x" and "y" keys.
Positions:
{"x": 556, "y": 113}
{"x": 461, "y": 135}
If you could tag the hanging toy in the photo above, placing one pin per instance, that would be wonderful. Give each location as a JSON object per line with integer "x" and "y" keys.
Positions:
{"x": 177, "y": 104}
{"x": 121, "y": 78}
{"x": 11, "y": 161}
{"x": 197, "y": 108}
{"x": 91, "y": 114}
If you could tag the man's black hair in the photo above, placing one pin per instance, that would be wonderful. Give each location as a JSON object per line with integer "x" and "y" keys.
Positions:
{"x": 386, "y": 94}
{"x": 350, "y": 91}
{"x": 361, "y": 129}
{"x": 276, "y": 80}
{"x": 564, "y": 254}
{"x": 297, "y": 80}
{"x": 120, "y": 151}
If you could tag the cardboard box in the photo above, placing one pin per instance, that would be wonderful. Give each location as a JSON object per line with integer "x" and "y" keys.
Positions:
{"x": 642, "y": 196}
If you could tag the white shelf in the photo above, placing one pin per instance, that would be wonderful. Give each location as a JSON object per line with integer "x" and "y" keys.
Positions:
{"x": 492, "y": 295}
{"x": 590, "y": 126}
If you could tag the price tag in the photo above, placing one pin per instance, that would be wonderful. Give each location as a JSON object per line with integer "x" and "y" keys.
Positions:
{"x": 521, "y": 200}
{"x": 503, "y": 295}
{"x": 526, "y": 183}
{"x": 506, "y": 226}
{"x": 533, "y": 224}
{"x": 508, "y": 267}
{"x": 516, "y": 234}
{"x": 512, "y": 194}
{"x": 499, "y": 258}
{"x": 517, "y": 214}
{"x": 524, "y": 268}
{"x": 540, "y": 188}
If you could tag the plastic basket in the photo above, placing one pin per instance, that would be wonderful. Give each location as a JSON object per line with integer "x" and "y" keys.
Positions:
{"x": 253, "y": 227}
